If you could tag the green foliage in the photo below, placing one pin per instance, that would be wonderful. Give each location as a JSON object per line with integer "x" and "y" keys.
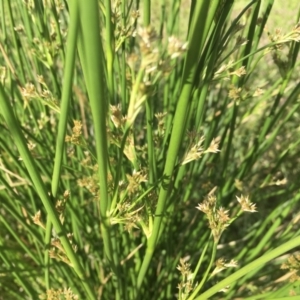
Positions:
{"x": 146, "y": 155}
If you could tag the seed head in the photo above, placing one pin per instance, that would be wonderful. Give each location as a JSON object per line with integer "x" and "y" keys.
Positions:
{"x": 246, "y": 204}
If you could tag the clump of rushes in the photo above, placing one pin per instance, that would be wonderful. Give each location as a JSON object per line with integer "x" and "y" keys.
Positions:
{"x": 116, "y": 118}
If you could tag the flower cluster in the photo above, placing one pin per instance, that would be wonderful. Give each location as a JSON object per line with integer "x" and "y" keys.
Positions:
{"x": 218, "y": 217}
{"x": 64, "y": 293}
{"x": 186, "y": 285}
{"x": 123, "y": 31}
{"x": 57, "y": 251}
{"x": 76, "y": 137}
{"x": 196, "y": 150}
{"x": 221, "y": 265}
{"x": 245, "y": 203}
{"x": 293, "y": 265}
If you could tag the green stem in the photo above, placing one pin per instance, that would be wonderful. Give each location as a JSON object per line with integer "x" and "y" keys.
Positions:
{"x": 199, "y": 28}
{"x": 110, "y": 48}
{"x": 204, "y": 278}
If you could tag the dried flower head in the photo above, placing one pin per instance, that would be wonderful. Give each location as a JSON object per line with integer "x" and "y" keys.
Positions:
{"x": 91, "y": 183}
{"x": 184, "y": 267}
{"x": 245, "y": 203}
{"x": 57, "y": 251}
{"x": 148, "y": 39}
{"x": 281, "y": 181}
{"x": 55, "y": 294}
{"x": 123, "y": 31}
{"x": 116, "y": 115}
{"x": 196, "y": 150}
{"x": 221, "y": 265}
{"x": 258, "y": 92}
{"x": 186, "y": 284}
{"x": 208, "y": 205}
{"x": 234, "y": 93}
{"x": 222, "y": 215}
{"x": 28, "y": 93}
{"x": 293, "y": 265}
{"x": 134, "y": 181}
{"x": 31, "y": 145}
{"x": 37, "y": 220}
{"x": 218, "y": 218}
{"x": 175, "y": 47}
{"x": 76, "y": 137}
{"x": 60, "y": 205}
{"x": 239, "y": 72}
{"x": 213, "y": 147}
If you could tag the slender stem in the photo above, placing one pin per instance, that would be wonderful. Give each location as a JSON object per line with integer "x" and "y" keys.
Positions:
{"x": 196, "y": 42}
{"x": 147, "y": 12}
{"x": 110, "y": 48}
{"x": 204, "y": 278}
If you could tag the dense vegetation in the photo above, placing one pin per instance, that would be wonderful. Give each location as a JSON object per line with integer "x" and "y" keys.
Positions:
{"x": 148, "y": 150}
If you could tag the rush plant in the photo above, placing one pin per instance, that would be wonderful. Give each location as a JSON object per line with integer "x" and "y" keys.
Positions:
{"x": 148, "y": 150}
